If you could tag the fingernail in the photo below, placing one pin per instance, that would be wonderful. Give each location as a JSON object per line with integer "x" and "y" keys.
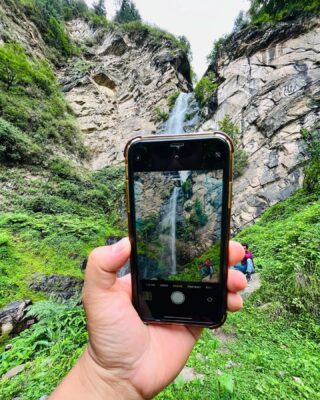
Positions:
{"x": 119, "y": 246}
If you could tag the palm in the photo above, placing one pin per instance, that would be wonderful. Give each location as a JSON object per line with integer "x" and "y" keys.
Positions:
{"x": 148, "y": 356}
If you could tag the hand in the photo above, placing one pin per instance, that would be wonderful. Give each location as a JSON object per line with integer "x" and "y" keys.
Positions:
{"x": 126, "y": 358}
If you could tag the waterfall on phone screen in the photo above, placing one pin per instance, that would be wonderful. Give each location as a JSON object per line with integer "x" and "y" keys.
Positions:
{"x": 168, "y": 229}
{"x": 176, "y": 124}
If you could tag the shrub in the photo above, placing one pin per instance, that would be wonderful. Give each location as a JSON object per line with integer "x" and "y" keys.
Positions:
{"x": 240, "y": 156}
{"x": 127, "y": 12}
{"x": 31, "y": 101}
{"x": 160, "y": 115}
{"x": 217, "y": 45}
{"x": 14, "y": 65}
{"x": 312, "y": 169}
{"x": 205, "y": 88}
{"x": 172, "y": 98}
{"x": 262, "y": 11}
{"x": 198, "y": 217}
{"x": 16, "y": 146}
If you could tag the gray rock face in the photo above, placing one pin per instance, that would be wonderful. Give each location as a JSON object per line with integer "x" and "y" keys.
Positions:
{"x": 114, "y": 91}
{"x": 13, "y": 318}
{"x": 63, "y": 287}
{"x": 270, "y": 88}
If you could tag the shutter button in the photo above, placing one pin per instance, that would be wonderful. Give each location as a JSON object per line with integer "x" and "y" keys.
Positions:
{"x": 177, "y": 297}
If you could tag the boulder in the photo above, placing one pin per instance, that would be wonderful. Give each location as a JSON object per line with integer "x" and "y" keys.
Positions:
{"x": 13, "y": 318}
{"x": 63, "y": 287}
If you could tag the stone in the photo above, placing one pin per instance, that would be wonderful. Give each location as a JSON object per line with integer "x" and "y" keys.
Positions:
{"x": 231, "y": 364}
{"x": 129, "y": 76}
{"x": 188, "y": 374}
{"x": 13, "y": 318}
{"x": 14, "y": 371}
{"x": 267, "y": 78}
{"x": 63, "y": 287}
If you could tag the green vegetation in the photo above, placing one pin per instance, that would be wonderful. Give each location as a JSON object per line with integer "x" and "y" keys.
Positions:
{"x": 217, "y": 45}
{"x": 50, "y": 223}
{"x": 100, "y": 8}
{"x": 156, "y": 34}
{"x": 270, "y": 349}
{"x": 198, "y": 217}
{"x": 262, "y": 11}
{"x": 190, "y": 271}
{"x": 57, "y": 339}
{"x": 240, "y": 156}
{"x": 286, "y": 245}
{"x": 33, "y": 111}
{"x": 172, "y": 98}
{"x": 160, "y": 115}
{"x": 127, "y": 12}
{"x": 312, "y": 170}
{"x": 205, "y": 88}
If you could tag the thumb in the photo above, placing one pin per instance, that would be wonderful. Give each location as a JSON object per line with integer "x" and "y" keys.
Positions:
{"x": 103, "y": 264}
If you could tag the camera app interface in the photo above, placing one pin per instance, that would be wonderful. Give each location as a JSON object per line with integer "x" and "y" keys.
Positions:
{"x": 178, "y": 225}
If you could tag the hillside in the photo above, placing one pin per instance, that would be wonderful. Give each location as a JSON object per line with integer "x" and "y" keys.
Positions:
{"x": 74, "y": 88}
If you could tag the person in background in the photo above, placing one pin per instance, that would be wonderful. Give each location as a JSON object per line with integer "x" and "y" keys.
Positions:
{"x": 246, "y": 266}
{"x": 126, "y": 359}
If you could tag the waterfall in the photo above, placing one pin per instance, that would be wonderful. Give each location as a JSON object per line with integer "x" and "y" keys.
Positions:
{"x": 168, "y": 226}
{"x": 176, "y": 120}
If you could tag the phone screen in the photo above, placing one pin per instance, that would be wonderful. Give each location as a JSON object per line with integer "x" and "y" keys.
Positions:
{"x": 178, "y": 224}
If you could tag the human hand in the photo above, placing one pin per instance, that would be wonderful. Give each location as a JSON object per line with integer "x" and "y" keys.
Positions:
{"x": 126, "y": 358}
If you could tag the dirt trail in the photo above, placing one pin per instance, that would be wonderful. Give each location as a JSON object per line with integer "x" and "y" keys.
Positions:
{"x": 253, "y": 285}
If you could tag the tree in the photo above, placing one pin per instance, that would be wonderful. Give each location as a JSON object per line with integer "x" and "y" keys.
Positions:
{"x": 100, "y": 8}
{"x": 14, "y": 66}
{"x": 240, "y": 22}
{"x": 127, "y": 12}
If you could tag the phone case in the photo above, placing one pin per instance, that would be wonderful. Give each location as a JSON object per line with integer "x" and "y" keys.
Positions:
{"x": 164, "y": 137}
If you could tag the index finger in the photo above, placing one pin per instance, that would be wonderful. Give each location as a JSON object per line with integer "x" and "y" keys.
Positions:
{"x": 236, "y": 253}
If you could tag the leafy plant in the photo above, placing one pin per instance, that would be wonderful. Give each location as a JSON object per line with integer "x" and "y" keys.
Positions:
{"x": 16, "y": 146}
{"x": 205, "y": 88}
{"x": 312, "y": 169}
{"x": 172, "y": 98}
{"x": 240, "y": 156}
{"x": 127, "y": 12}
{"x": 160, "y": 115}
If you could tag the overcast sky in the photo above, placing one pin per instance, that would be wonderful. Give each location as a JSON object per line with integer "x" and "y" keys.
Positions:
{"x": 201, "y": 21}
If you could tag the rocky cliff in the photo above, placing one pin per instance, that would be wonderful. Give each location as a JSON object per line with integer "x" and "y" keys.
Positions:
{"x": 116, "y": 87}
{"x": 269, "y": 85}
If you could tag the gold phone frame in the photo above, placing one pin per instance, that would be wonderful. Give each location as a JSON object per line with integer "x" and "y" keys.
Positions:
{"x": 202, "y": 135}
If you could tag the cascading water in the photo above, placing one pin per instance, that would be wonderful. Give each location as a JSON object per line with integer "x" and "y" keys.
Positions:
{"x": 176, "y": 120}
{"x": 168, "y": 227}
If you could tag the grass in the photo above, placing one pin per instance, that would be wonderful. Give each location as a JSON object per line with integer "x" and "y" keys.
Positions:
{"x": 273, "y": 345}
{"x": 269, "y": 357}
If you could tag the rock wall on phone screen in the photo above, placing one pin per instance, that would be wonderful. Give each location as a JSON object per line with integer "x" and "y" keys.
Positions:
{"x": 116, "y": 88}
{"x": 270, "y": 87}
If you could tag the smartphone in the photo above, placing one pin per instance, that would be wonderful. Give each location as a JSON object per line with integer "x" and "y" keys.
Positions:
{"x": 178, "y": 202}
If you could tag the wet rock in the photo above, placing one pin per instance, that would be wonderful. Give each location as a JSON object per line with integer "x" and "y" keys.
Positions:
{"x": 13, "y": 318}
{"x": 63, "y": 287}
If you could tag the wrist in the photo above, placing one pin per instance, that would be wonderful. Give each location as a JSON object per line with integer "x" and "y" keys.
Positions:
{"x": 90, "y": 381}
